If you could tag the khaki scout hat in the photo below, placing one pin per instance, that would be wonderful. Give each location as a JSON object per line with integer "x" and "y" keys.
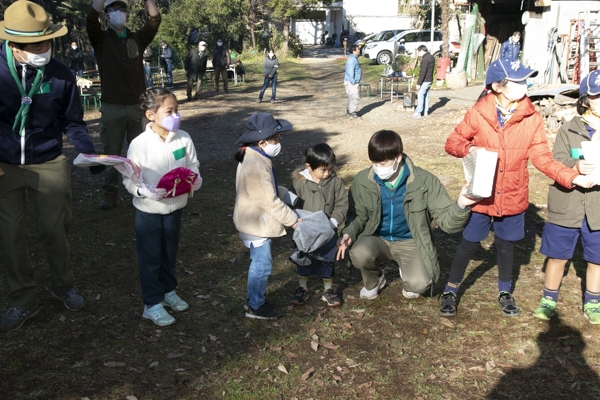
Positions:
{"x": 27, "y": 22}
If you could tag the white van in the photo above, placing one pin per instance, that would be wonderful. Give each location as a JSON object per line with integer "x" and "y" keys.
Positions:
{"x": 382, "y": 52}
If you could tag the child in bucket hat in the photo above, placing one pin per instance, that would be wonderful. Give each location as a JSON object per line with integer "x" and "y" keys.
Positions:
{"x": 574, "y": 213}
{"x": 260, "y": 212}
{"x": 503, "y": 121}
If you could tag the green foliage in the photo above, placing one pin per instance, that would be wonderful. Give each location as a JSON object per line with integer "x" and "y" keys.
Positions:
{"x": 214, "y": 19}
{"x": 423, "y": 17}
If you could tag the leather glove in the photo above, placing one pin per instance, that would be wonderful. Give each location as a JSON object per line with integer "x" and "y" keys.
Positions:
{"x": 152, "y": 192}
{"x": 197, "y": 183}
{"x": 96, "y": 169}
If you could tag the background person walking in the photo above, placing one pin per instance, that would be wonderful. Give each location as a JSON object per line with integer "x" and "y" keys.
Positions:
{"x": 221, "y": 61}
{"x": 424, "y": 81}
{"x": 195, "y": 68}
{"x": 271, "y": 65}
{"x": 76, "y": 60}
{"x": 166, "y": 58}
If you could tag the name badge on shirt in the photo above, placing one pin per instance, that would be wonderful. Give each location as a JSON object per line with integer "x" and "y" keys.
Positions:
{"x": 179, "y": 153}
{"x": 44, "y": 88}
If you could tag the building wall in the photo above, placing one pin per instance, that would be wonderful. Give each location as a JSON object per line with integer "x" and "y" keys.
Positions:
{"x": 535, "y": 38}
{"x": 371, "y": 8}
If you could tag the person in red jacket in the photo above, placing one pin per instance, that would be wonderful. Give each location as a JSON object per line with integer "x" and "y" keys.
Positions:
{"x": 504, "y": 121}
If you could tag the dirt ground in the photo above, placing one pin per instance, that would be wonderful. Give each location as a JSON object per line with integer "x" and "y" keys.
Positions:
{"x": 390, "y": 348}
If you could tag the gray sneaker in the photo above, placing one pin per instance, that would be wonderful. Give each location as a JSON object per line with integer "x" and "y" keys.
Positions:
{"x": 14, "y": 318}
{"x": 71, "y": 299}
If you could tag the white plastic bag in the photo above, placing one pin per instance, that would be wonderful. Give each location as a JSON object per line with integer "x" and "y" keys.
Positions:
{"x": 124, "y": 165}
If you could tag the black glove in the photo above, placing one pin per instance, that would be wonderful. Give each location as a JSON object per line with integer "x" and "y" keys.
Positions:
{"x": 96, "y": 169}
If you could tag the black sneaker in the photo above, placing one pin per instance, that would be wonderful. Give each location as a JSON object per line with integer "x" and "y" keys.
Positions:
{"x": 331, "y": 298}
{"x": 226, "y": 91}
{"x": 300, "y": 296}
{"x": 508, "y": 305}
{"x": 110, "y": 200}
{"x": 71, "y": 299}
{"x": 266, "y": 311}
{"x": 448, "y": 308}
{"x": 14, "y": 318}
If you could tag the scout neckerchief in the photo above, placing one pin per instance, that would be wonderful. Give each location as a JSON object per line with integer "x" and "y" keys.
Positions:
{"x": 262, "y": 153}
{"x": 592, "y": 119}
{"x": 504, "y": 114}
{"x": 26, "y": 100}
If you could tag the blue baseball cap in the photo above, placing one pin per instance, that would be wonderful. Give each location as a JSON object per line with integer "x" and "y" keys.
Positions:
{"x": 508, "y": 68}
{"x": 590, "y": 84}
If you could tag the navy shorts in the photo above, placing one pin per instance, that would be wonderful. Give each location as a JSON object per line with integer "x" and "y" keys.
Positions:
{"x": 511, "y": 227}
{"x": 559, "y": 242}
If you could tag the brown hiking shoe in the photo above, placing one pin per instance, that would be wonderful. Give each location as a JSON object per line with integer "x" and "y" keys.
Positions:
{"x": 110, "y": 200}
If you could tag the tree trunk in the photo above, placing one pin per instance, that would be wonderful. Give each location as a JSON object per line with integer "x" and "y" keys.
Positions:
{"x": 286, "y": 33}
{"x": 445, "y": 28}
{"x": 252, "y": 22}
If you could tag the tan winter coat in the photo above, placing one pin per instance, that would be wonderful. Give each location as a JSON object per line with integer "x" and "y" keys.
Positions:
{"x": 258, "y": 211}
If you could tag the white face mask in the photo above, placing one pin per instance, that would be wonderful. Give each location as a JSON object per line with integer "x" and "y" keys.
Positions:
{"x": 272, "y": 150}
{"x": 117, "y": 19}
{"x": 514, "y": 91}
{"x": 219, "y": 44}
{"x": 74, "y": 47}
{"x": 386, "y": 172}
{"x": 201, "y": 48}
{"x": 39, "y": 60}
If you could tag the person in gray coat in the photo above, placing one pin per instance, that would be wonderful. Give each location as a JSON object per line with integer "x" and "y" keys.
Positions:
{"x": 271, "y": 64}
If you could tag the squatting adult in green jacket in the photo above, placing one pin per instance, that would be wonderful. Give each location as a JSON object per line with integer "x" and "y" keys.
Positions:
{"x": 392, "y": 205}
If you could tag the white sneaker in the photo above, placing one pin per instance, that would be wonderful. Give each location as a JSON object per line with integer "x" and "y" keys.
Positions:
{"x": 158, "y": 315}
{"x": 373, "y": 293}
{"x": 410, "y": 295}
{"x": 174, "y": 302}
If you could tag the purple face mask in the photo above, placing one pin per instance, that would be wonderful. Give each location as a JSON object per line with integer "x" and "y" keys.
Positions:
{"x": 170, "y": 123}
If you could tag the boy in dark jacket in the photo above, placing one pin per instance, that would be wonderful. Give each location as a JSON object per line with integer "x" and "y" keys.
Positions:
{"x": 319, "y": 189}
{"x": 511, "y": 48}
{"x": 424, "y": 81}
{"x": 195, "y": 68}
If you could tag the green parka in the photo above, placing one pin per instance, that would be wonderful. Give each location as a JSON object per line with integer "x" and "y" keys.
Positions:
{"x": 426, "y": 199}
{"x": 567, "y": 207}
{"x": 328, "y": 196}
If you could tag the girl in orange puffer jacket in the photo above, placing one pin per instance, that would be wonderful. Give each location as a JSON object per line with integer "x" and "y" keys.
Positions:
{"x": 504, "y": 121}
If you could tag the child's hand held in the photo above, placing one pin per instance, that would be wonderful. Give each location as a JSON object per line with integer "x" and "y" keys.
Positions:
{"x": 197, "y": 183}
{"x": 152, "y": 193}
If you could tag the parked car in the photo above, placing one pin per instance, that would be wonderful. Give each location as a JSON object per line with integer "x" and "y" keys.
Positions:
{"x": 407, "y": 42}
{"x": 360, "y": 43}
{"x": 387, "y": 34}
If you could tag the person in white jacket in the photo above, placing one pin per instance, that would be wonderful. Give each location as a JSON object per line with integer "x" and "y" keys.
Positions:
{"x": 161, "y": 148}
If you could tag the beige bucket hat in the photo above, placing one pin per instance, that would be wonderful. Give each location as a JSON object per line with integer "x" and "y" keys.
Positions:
{"x": 27, "y": 22}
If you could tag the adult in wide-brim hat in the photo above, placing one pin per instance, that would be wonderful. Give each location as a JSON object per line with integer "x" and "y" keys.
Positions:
{"x": 27, "y": 22}
{"x": 261, "y": 126}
